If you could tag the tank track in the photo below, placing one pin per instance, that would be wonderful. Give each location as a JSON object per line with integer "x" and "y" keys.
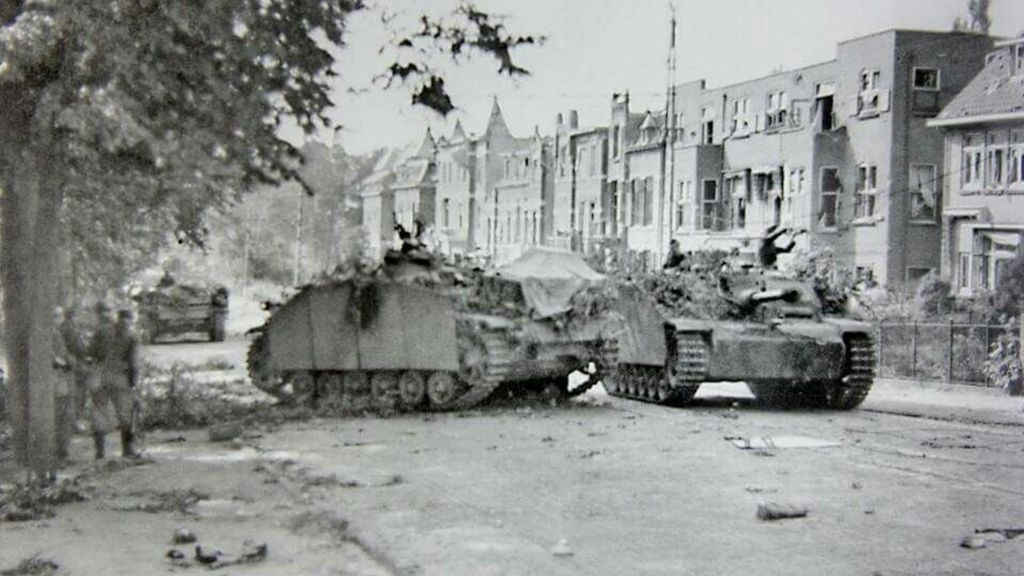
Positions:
{"x": 475, "y": 388}
{"x": 655, "y": 384}
{"x": 499, "y": 359}
{"x": 858, "y": 376}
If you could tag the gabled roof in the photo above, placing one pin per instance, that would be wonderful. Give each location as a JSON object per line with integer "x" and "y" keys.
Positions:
{"x": 496, "y": 122}
{"x": 994, "y": 94}
{"x": 426, "y": 149}
{"x": 458, "y": 133}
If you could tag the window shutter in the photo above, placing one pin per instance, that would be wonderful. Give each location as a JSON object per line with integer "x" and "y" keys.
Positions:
{"x": 853, "y": 105}
{"x": 883, "y": 100}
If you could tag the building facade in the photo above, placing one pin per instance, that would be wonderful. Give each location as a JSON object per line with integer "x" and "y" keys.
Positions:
{"x": 983, "y": 188}
{"x": 834, "y": 148}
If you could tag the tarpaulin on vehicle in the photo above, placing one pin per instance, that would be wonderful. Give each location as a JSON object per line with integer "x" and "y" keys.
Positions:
{"x": 549, "y": 279}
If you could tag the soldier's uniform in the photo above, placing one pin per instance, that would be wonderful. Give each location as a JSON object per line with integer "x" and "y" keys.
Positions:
{"x": 113, "y": 351}
{"x": 77, "y": 354}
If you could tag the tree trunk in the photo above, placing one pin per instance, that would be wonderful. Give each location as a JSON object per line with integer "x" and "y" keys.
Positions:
{"x": 29, "y": 212}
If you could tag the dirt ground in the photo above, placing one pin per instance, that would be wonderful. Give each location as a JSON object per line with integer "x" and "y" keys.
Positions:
{"x": 630, "y": 488}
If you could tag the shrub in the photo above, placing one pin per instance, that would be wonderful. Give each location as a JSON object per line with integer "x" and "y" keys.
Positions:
{"x": 1003, "y": 366}
{"x": 932, "y": 297}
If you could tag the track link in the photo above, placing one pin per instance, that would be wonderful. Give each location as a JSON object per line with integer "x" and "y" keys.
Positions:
{"x": 858, "y": 375}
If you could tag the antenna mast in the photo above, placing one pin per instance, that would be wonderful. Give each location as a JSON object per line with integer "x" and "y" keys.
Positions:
{"x": 668, "y": 180}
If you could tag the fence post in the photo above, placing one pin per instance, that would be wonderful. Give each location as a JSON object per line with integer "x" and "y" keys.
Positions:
{"x": 949, "y": 349}
{"x": 913, "y": 346}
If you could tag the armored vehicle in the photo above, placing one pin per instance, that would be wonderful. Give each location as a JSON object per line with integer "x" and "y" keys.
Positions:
{"x": 777, "y": 340}
{"x": 172, "y": 309}
{"x": 416, "y": 335}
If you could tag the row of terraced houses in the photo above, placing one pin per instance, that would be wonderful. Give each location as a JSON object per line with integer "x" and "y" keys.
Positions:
{"x": 902, "y": 155}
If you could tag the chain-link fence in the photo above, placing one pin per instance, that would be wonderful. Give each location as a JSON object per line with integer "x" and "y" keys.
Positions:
{"x": 948, "y": 351}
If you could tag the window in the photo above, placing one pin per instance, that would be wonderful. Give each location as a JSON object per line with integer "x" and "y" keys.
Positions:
{"x": 971, "y": 169}
{"x": 926, "y": 79}
{"x": 828, "y": 211}
{"x": 682, "y": 204}
{"x": 741, "y": 116}
{"x": 995, "y": 166}
{"x": 615, "y": 141}
{"x": 445, "y": 213}
{"x": 635, "y": 203}
{"x": 1015, "y": 164}
{"x": 963, "y": 276}
{"x": 709, "y": 208}
{"x": 869, "y": 80}
{"x": 1019, "y": 50}
{"x": 867, "y": 189}
{"x": 777, "y": 112}
{"x": 707, "y": 126}
{"x": 923, "y": 204}
{"x": 648, "y": 201}
{"x": 869, "y": 100}
{"x": 593, "y": 159}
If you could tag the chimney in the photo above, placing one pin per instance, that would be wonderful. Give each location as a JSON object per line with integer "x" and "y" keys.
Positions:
{"x": 574, "y": 119}
{"x": 558, "y": 119}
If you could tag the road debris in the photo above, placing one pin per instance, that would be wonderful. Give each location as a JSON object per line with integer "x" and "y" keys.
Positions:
{"x": 183, "y": 536}
{"x": 775, "y": 511}
{"x": 32, "y": 566}
{"x": 973, "y": 542}
{"x": 561, "y": 549}
{"x": 1006, "y": 533}
{"x": 982, "y": 537}
{"x": 784, "y": 441}
{"x": 34, "y": 502}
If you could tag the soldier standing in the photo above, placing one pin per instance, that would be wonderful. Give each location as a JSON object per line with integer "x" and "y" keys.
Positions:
{"x": 103, "y": 416}
{"x": 123, "y": 369}
{"x": 74, "y": 343}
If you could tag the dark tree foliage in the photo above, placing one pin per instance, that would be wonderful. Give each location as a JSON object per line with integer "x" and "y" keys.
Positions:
{"x": 127, "y": 116}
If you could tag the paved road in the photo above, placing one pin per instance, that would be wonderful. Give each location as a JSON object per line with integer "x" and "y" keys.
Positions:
{"x": 641, "y": 489}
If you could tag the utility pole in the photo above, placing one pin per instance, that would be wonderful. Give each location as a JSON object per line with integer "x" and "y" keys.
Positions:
{"x": 668, "y": 153}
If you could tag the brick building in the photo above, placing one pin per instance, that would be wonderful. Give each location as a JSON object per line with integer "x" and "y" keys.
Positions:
{"x": 834, "y": 148}
{"x": 983, "y": 191}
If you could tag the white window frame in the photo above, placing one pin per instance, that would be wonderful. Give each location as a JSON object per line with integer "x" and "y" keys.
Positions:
{"x": 935, "y": 194}
{"x": 938, "y": 79}
{"x": 866, "y": 192}
{"x": 835, "y": 193}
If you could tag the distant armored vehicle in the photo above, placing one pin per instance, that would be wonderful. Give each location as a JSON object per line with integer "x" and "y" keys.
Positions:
{"x": 777, "y": 341}
{"x": 172, "y": 309}
{"x": 416, "y": 335}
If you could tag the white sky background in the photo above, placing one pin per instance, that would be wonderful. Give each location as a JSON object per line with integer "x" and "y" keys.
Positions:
{"x": 597, "y": 47}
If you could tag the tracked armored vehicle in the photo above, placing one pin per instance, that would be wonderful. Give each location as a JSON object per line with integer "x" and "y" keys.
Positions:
{"x": 418, "y": 336}
{"x": 174, "y": 309}
{"x": 777, "y": 340}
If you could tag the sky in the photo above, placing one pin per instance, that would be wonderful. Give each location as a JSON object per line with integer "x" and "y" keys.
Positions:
{"x": 594, "y": 48}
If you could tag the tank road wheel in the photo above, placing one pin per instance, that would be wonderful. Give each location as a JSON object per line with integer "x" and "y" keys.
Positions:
{"x": 303, "y": 387}
{"x": 442, "y": 390}
{"x": 412, "y": 389}
{"x": 330, "y": 390}
{"x": 858, "y": 375}
{"x": 384, "y": 389}
{"x": 261, "y": 374}
{"x": 356, "y": 386}
{"x": 611, "y": 382}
